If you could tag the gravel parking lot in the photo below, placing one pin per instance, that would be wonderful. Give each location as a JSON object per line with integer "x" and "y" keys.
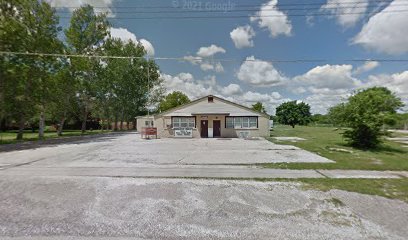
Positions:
{"x": 129, "y": 150}
{"x": 191, "y": 209}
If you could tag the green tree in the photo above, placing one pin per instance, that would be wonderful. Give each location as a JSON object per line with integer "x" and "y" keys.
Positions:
{"x": 85, "y": 36}
{"x": 173, "y": 100}
{"x": 320, "y": 119}
{"x": 27, "y": 26}
{"x": 259, "y": 107}
{"x": 64, "y": 98}
{"x": 365, "y": 113}
{"x": 293, "y": 113}
{"x": 125, "y": 84}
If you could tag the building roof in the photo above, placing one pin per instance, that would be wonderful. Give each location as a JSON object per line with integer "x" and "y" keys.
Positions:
{"x": 219, "y": 106}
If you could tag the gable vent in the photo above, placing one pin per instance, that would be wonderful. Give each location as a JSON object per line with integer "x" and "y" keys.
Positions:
{"x": 210, "y": 99}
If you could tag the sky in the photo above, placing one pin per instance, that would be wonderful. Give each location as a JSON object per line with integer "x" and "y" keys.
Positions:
{"x": 316, "y": 51}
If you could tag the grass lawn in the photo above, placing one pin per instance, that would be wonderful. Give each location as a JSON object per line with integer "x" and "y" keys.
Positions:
{"x": 328, "y": 142}
{"x": 389, "y": 188}
{"x": 10, "y": 137}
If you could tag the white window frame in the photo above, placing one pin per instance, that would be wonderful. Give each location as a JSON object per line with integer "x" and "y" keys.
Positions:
{"x": 229, "y": 122}
{"x": 183, "y": 122}
{"x": 248, "y": 122}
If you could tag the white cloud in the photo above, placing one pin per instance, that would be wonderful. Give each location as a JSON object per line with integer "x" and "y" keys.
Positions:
{"x": 242, "y": 36}
{"x": 193, "y": 60}
{"x": 232, "y": 89}
{"x": 259, "y": 73}
{"x": 147, "y": 46}
{"x": 321, "y": 102}
{"x": 327, "y": 85}
{"x": 207, "y": 64}
{"x": 386, "y": 32}
{"x": 328, "y": 76}
{"x": 347, "y": 13}
{"x": 193, "y": 88}
{"x": 397, "y": 82}
{"x": 276, "y": 95}
{"x": 186, "y": 83}
{"x": 216, "y": 67}
{"x": 188, "y": 77}
{"x": 298, "y": 90}
{"x": 270, "y": 101}
{"x": 367, "y": 66}
{"x": 210, "y": 51}
{"x": 71, "y": 5}
{"x": 278, "y": 24}
{"x": 125, "y": 35}
{"x": 324, "y": 86}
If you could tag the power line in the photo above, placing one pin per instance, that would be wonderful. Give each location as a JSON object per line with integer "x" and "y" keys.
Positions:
{"x": 198, "y": 58}
{"x": 245, "y": 16}
{"x": 204, "y": 10}
{"x": 239, "y": 5}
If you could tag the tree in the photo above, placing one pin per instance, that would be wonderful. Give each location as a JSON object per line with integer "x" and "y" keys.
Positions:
{"x": 27, "y": 26}
{"x": 85, "y": 36}
{"x": 365, "y": 113}
{"x": 63, "y": 100}
{"x": 173, "y": 100}
{"x": 320, "y": 119}
{"x": 259, "y": 107}
{"x": 125, "y": 86}
{"x": 293, "y": 113}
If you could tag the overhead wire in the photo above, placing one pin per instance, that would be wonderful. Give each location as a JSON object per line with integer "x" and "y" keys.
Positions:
{"x": 197, "y": 58}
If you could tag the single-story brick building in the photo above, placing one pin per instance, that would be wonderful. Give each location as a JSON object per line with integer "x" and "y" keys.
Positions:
{"x": 208, "y": 117}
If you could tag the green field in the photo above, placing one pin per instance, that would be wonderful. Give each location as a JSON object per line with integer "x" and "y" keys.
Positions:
{"x": 10, "y": 136}
{"x": 328, "y": 142}
{"x": 389, "y": 188}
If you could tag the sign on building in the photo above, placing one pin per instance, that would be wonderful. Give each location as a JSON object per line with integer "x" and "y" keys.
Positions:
{"x": 183, "y": 132}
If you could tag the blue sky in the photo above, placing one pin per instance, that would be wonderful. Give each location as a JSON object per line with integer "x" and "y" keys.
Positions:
{"x": 268, "y": 31}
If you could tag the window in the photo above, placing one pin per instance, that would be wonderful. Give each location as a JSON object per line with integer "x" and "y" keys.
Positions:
{"x": 183, "y": 122}
{"x": 210, "y": 99}
{"x": 229, "y": 122}
{"x": 253, "y": 122}
{"x": 245, "y": 122}
{"x": 238, "y": 122}
{"x": 149, "y": 123}
{"x": 241, "y": 122}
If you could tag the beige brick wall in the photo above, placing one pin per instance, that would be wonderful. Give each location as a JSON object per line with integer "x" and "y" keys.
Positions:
{"x": 164, "y": 132}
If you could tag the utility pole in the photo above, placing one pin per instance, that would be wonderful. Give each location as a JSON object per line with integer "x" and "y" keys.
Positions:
{"x": 148, "y": 87}
{"x": 148, "y": 90}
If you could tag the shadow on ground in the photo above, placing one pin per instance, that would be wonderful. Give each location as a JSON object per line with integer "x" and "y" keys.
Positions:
{"x": 60, "y": 141}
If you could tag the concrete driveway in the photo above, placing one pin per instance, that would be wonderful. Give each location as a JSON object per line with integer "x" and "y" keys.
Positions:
{"x": 129, "y": 150}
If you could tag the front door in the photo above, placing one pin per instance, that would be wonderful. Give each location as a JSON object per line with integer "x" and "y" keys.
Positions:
{"x": 204, "y": 128}
{"x": 217, "y": 128}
